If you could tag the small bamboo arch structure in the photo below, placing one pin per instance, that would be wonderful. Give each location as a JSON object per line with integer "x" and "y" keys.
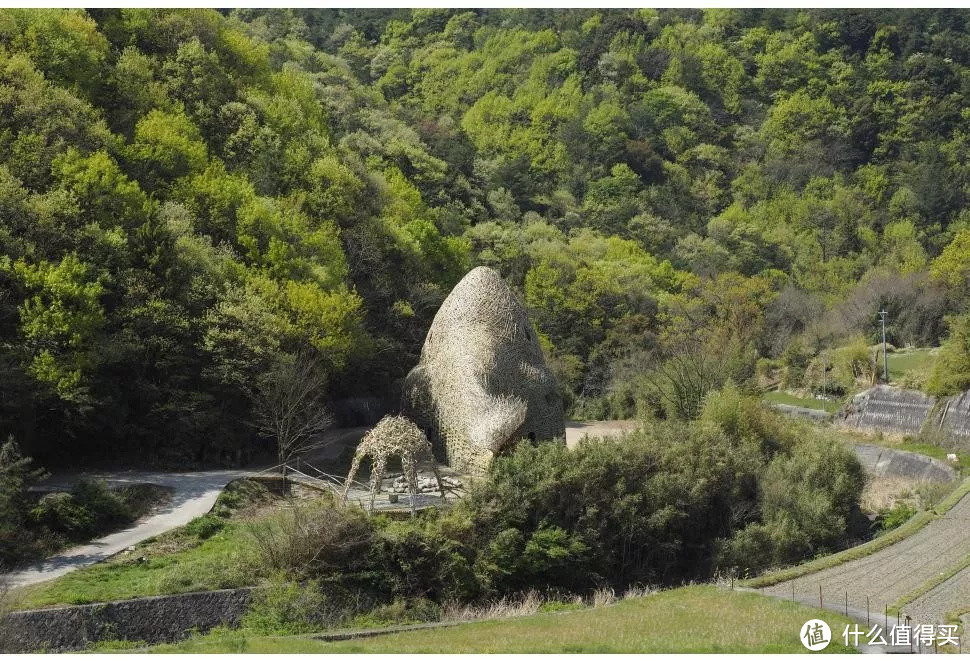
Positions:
{"x": 394, "y": 435}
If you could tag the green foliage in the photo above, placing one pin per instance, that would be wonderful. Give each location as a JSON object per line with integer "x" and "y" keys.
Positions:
{"x": 951, "y": 267}
{"x": 891, "y": 518}
{"x": 65, "y": 44}
{"x": 430, "y": 560}
{"x": 89, "y": 508}
{"x": 31, "y": 528}
{"x": 311, "y": 540}
{"x": 205, "y": 526}
{"x": 282, "y": 607}
{"x": 165, "y": 147}
{"x": 809, "y": 505}
{"x": 61, "y": 320}
{"x": 239, "y": 494}
{"x": 739, "y": 488}
{"x": 16, "y": 475}
{"x": 951, "y": 371}
{"x": 189, "y": 196}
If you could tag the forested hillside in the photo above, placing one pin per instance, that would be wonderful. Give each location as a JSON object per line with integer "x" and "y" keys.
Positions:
{"x": 188, "y": 198}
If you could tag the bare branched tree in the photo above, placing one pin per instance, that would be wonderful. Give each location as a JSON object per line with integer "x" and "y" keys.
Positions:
{"x": 688, "y": 366}
{"x": 291, "y": 409}
{"x": 683, "y": 376}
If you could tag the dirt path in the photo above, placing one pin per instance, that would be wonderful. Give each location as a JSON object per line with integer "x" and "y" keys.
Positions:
{"x": 892, "y": 573}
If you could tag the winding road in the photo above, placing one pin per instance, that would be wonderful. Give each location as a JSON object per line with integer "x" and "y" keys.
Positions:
{"x": 194, "y": 493}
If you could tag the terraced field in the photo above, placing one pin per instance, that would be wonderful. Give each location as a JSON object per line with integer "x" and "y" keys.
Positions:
{"x": 948, "y": 598}
{"x": 890, "y": 575}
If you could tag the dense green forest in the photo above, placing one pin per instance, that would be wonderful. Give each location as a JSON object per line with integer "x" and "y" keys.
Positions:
{"x": 189, "y": 197}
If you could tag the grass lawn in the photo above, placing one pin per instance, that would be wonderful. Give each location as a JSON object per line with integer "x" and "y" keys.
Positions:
{"x": 171, "y": 565}
{"x": 780, "y": 397}
{"x": 210, "y": 552}
{"x": 904, "y": 361}
{"x": 694, "y": 619}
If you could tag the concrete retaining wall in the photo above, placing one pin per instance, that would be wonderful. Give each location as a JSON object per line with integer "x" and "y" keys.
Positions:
{"x": 153, "y": 620}
{"x": 817, "y": 415}
{"x": 897, "y": 411}
{"x": 890, "y": 410}
{"x": 888, "y": 462}
{"x": 954, "y": 416}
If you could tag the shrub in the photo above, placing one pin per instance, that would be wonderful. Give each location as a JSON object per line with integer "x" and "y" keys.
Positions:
{"x": 647, "y": 509}
{"x": 809, "y": 504}
{"x": 423, "y": 558}
{"x": 60, "y": 512}
{"x": 312, "y": 539}
{"x": 855, "y": 363}
{"x": 766, "y": 369}
{"x": 281, "y": 607}
{"x": 931, "y": 494}
{"x": 839, "y": 371}
{"x": 795, "y": 359}
{"x": 740, "y": 488}
{"x": 951, "y": 370}
{"x": 239, "y": 494}
{"x": 16, "y": 475}
{"x": 891, "y": 518}
{"x": 205, "y": 526}
{"x": 914, "y": 380}
{"x": 107, "y": 508}
{"x": 89, "y": 509}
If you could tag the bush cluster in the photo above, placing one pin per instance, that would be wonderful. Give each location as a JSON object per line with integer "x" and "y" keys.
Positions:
{"x": 89, "y": 508}
{"x": 736, "y": 490}
{"x": 32, "y": 528}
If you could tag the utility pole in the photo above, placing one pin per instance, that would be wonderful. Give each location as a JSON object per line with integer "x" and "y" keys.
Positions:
{"x": 885, "y": 357}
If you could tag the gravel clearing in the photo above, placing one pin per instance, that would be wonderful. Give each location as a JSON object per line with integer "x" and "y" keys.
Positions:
{"x": 894, "y": 572}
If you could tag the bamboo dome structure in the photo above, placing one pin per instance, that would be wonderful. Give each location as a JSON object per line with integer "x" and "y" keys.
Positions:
{"x": 482, "y": 383}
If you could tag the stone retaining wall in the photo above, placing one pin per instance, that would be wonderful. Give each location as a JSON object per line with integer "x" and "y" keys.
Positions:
{"x": 153, "y": 620}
